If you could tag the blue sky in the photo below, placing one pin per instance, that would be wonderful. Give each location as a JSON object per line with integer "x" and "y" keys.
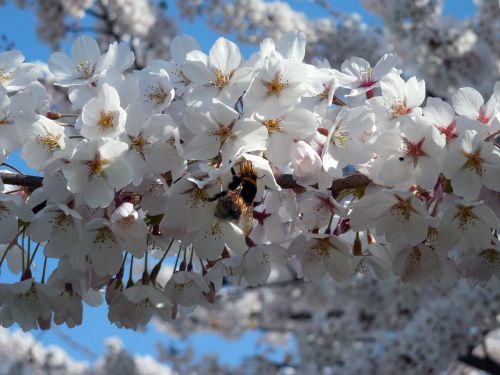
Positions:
{"x": 19, "y": 27}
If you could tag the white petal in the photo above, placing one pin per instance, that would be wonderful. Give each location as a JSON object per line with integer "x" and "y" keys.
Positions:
{"x": 224, "y": 55}
{"x": 467, "y": 102}
{"x": 292, "y": 45}
{"x": 415, "y": 92}
{"x": 98, "y": 193}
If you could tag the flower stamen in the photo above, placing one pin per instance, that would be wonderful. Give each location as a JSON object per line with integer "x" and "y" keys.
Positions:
{"x": 275, "y": 86}
{"x": 474, "y": 162}
{"x": 105, "y": 120}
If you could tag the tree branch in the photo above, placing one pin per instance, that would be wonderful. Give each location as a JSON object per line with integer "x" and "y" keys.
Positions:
{"x": 31, "y": 182}
{"x": 352, "y": 181}
{"x": 484, "y": 364}
{"x": 285, "y": 181}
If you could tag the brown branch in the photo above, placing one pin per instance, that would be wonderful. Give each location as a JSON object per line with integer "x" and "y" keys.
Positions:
{"x": 285, "y": 181}
{"x": 352, "y": 181}
{"x": 31, "y": 182}
{"x": 484, "y": 364}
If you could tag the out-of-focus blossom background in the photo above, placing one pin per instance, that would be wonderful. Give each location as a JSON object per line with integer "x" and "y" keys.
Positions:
{"x": 365, "y": 326}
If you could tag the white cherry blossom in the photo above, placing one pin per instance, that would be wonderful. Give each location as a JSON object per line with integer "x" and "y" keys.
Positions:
{"x": 103, "y": 116}
{"x": 397, "y": 215}
{"x": 279, "y": 85}
{"x": 60, "y": 226}
{"x": 84, "y": 66}
{"x": 470, "y": 223}
{"x": 156, "y": 90}
{"x": 96, "y": 169}
{"x": 14, "y": 74}
{"x": 130, "y": 229}
{"x": 222, "y": 131}
{"x": 416, "y": 157}
{"x": 44, "y": 141}
{"x": 321, "y": 255}
{"x": 217, "y": 75}
{"x": 360, "y": 77}
{"x": 399, "y": 99}
{"x": 471, "y": 164}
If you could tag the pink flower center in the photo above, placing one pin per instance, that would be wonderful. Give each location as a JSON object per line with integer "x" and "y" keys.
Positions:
{"x": 399, "y": 109}
{"x": 413, "y": 150}
{"x": 481, "y": 117}
{"x": 367, "y": 79}
{"x": 449, "y": 131}
{"x": 261, "y": 216}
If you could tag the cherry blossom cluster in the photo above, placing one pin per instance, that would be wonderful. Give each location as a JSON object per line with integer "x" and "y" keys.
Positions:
{"x": 447, "y": 52}
{"x": 367, "y": 325}
{"x": 222, "y": 169}
{"x": 427, "y": 40}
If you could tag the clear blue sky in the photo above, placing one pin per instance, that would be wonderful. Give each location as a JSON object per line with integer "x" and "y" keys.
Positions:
{"x": 19, "y": 27}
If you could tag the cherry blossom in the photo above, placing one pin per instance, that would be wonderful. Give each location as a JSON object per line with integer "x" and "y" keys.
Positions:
{"x": 14, "y": 74}
{"x": 84, "y": 66}
{"x": 103, "y": 116}
{"x": 472, "y": 163}
{"x": 323, "y": 254}
{"x": 399, "y": 99}
{"x": 216, "y": 75}
{"x": 361, "y": 77}
{"x": 471, "y": 223}
{"x": 222, "y": 131}
{"x": 168, "y": 189}
{"x": 96, "y": 169}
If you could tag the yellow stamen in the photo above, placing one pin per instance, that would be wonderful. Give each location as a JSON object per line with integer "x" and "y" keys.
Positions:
{"x": 156, "y": 95}
{"x": 275, "y": 86}
{"x": 50, "y": 141}
{"x": 273, "y": 125}
{"x": 340, "y": 138}
{"x": 414, "y": 255}
{"x": 5, "y": 77}
{"x": 322, "y": 248}
{"x": 221, "y": 80}
{"x": 85, "y": 69}
{"x": 224, "y": 133}
{"x": 105, "y": 120}
{"x": 96, "y": 165}
{"x": 474, "y": 162}
{"x": 399, "y": 109}
{"x": 138, "y": 145}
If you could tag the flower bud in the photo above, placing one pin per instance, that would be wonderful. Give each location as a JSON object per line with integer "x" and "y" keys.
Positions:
{"x": 115, "y": 286}
{"x": 306, "y": 162}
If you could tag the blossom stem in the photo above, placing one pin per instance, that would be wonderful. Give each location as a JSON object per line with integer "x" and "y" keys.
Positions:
{"x": 166, "y": 251}
{"x": 11, "y": 244}
{"x": 156, "y": 269}
{"x": 329, "y": 227}
{"x": 190, "y": 264}
{"x": 177, "y": 259}
{"x": 28, "y": 253}
{"x": 44, "y": 268}
{"x": 130, "y": 270}
{"x": 34, "y": 253}
{"x": 22, "y": 250}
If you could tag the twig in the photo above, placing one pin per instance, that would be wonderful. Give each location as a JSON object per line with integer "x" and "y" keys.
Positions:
{"x": 12, "y": 167}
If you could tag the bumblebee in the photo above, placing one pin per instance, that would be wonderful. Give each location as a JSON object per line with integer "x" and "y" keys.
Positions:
{"x": 236, "y": 203}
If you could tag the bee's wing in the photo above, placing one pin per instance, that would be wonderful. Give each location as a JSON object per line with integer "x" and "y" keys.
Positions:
{"x": 247, "y": 219}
